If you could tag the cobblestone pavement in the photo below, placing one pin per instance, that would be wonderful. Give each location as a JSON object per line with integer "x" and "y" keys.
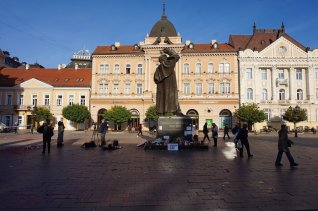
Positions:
{"x": 72, "y": 178}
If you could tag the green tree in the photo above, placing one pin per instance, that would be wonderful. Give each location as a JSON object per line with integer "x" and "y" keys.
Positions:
{"x": 76, "y": 113}
{"x": 250, "y": 113}
{"x": 41, "y": 114}
{"x": 151, "y": 115}
{"x": 117, "y": 115}
{"x": 295, "y": 115}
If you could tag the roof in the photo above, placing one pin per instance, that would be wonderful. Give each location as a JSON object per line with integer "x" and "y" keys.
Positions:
{"x": 207, "y": 48}
{"x": 123, "y": 49}
{"x": 66, "y": 77}
{"x": 163, "y": 28}
{"x": 260, "y": 39}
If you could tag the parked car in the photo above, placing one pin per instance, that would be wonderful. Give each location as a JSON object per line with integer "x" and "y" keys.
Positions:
{"x": 4, "y": 127}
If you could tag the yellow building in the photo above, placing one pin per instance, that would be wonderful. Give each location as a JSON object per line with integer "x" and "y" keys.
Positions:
{"x": 21, "y": 89}
{"x": 207, "y": 76}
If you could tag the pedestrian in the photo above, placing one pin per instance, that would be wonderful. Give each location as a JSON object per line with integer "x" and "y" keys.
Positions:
{"x": 139, "y": 130}
{"x": 215, "y": 134}
{"x": 206, "y": 132}
{"x": 102, "y": 132}
{"x": 283, "y": 143}
{"x": 47, "y": 130}
{"x": 243, "y": 137}
{"x": 15, "y": 127}
{"x": 235, "y": 132}
{"x": 60, "y": 133}
{"x": 226, "y": 132}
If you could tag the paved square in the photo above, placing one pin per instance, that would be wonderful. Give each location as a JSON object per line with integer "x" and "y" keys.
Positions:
{"x": 72, "y": 178}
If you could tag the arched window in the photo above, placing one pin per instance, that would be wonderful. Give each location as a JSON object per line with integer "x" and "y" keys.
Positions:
{"x": 139, "y": 69}
{"x": 198, "y": 68}
{"x": 116, "y": 69}
{"x": 249, "y": 94}
{"x": 300, "y": 94}
{"x": 282, "y": 94}
{"x": 264, "y": 94}
{"x": 210, "y": 68}
{"x": 128, "y": 68}
{"x": 186, "y": 69}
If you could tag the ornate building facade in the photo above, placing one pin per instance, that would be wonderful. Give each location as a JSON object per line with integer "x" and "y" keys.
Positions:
{"x": 277, "y": 72}
{"x": 207, "y": 76}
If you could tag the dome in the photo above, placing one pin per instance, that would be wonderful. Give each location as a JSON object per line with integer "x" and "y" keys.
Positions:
{"x": 163, "y": 28}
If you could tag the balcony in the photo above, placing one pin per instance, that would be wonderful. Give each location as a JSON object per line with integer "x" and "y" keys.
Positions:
{"x": 283, "y": 102}
{"x": 283, "y": 82}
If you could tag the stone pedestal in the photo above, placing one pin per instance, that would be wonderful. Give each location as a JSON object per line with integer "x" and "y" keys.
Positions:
{"x": 173, "y": 126}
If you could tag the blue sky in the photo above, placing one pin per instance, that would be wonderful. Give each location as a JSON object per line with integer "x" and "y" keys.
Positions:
{"x": 50, "y": 31}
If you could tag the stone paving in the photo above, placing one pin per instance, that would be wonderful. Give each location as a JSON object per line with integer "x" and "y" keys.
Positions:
{"x": 72, "y": 178}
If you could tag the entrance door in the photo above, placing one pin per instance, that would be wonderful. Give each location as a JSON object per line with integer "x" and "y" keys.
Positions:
{"x": 225, "y": 118}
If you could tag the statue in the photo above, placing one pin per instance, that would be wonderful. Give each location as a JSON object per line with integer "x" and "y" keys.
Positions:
{"x": 165, "y": 78}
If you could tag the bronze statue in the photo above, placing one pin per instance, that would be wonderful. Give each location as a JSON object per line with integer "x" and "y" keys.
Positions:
{"x": 165, "y": 78}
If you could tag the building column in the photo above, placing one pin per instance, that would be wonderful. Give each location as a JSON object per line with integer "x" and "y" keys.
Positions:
{"x": 273, "y": 84}
{"x": 291, "y": 84}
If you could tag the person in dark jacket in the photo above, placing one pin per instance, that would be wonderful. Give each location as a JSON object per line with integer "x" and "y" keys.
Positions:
{"x": 226, "y": 132}
{"x": 102, "y": 132}
{"x": 206, "y": 132}
{"x": 47, "y": 130}
{"x": 243, "y": 137}
{"x": 283, "y": 147}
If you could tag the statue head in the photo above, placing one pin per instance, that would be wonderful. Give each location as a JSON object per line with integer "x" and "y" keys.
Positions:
{"x": 162, "y": 57}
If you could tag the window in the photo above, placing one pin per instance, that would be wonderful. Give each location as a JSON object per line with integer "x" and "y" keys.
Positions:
{"x": 299, "y": 94}
{"x": 186, "y": 88}
{"x": 317, "y": 114}
{"x": 198, "y": 68}
{"x": 47, "y": 100}
{"x": 83, "y": 100}
{"x": 127, "y": 88}
{"x": 139, "y": 89}
{"x": 101, "y": 69}
{"x": 128, "y": 68}
{"x": 268, "y": 113}
{"x": 139, "y": 69}
{"x": 248, "y": 73}
{"x": 186, "y": 69}
{"x": 264, "y": 94}
{"x": 198, "y": 88}
{"x": 116, "y": 89}
{"x": 263, "y": 74}
{"x": 103, "y": 88}
{"x": 249, "y": 94}
{"x": 299, "y": 74}
{"x": 9, "y": 99}
{"x": 281, "y": 94}
{"x": 21, "y": 99}
{"x": 280, "y": 73}
{"x": 106, "y": 68}
{"x": 59, "y": 100}
{"x": 282, "y": 113}
{"x": 116, "y": 69}
{"x": 317, "y": 94}
{"x": 211, "y": 88}
{"x": 19, "y": 120}
{"x": 71, "y": 99}
{"x": 224, "y": 88}
{"x": 34, "y": 100}
{"x": 224, "y": 68}
{"x": 316, "y": 73}
{"x": 210, "y": 68}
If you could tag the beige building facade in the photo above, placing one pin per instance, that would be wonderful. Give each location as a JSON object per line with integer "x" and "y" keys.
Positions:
{"x": 207, "y": 77}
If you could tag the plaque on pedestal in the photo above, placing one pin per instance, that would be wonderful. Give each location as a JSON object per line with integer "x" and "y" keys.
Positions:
{"x": 173, "y": 126}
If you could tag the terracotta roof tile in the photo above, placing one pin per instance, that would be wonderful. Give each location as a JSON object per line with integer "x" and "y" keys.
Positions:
{"x": 123, "y": 49}
{"x": 66, "y": 77}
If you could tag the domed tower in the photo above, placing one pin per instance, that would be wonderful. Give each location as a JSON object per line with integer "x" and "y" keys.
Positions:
{"x": 163, "y": 32}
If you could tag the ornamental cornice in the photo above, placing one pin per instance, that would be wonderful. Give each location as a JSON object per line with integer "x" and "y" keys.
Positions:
{"x": 160, "y": 47}
{"x": 118, "y": 56}
{"x": 207, "y": 54}
{"x": 103, "y": 80}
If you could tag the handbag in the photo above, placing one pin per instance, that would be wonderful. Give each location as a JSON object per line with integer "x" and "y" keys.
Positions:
{"x": 289, "y": 142}
{"x": 239, "y": 144}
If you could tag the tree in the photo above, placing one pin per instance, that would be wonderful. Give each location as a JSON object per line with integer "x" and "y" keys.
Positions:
{"x": 151, "y": 114}
{"x": 295, "y": 115}
{"x": 76, "y": 113}
{"x": 41, "y": 114}
{"x": 117, "y": 115}
{"x": 250, "y": 113}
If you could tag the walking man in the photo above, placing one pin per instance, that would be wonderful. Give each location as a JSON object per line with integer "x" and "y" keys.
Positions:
{"x": 226, "y": 132}
{"x": 206, "y": 132}
{"x": 47, "y": 130}
{"x": 243, "y": 137}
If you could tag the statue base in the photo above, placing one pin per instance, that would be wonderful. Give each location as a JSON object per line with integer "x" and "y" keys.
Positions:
{"x": 174, "y": 126}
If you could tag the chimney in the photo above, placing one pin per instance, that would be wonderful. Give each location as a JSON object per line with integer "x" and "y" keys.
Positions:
{"x": 188, "y": 42}
{"x": 213, "y": 41}
{"x": 76, "y": 66}
{"x": 117, "y": 44}
{"x": 27, "y": 66}
{"x": 59, "y": 66}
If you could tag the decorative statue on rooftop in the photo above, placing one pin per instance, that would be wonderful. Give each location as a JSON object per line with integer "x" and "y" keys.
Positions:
{"x": 165, "y": 78}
